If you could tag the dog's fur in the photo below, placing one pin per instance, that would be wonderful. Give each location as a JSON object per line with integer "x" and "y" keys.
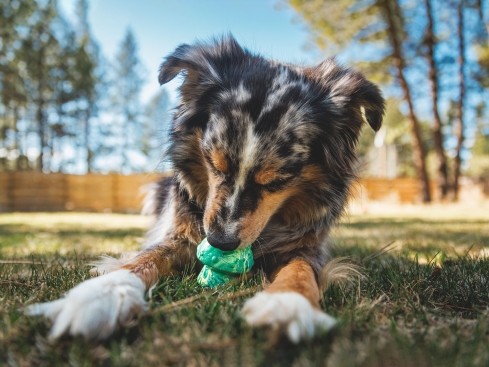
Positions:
{"x": 263, "y": 153}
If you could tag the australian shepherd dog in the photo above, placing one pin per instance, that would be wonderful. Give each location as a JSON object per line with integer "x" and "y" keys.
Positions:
{"x": 263, "y": 153}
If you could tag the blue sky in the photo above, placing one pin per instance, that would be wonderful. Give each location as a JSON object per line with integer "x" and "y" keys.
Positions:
{"x": 265, "y": 26}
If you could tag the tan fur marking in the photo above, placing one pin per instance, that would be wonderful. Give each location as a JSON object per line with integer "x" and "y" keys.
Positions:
{"x": 149, "y": 267}
{"x": 296, "y": 276}
{"x": 312, "y": 174}
{"x": 219, "y": 161}
{"x": 253, "y": 223}
{"x": 266, "y": 176}
{"x": 297, "y": 209}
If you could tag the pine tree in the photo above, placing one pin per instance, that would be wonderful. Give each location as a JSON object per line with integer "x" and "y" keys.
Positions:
{"x": 13, "y": 98}
{"x": 126, "y": 99}
{"x": 88, "y": 78}
{"x": 39, "y": 51}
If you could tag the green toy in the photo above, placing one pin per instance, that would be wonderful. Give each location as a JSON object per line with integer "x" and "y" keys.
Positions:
{"x": 222, "y": 266}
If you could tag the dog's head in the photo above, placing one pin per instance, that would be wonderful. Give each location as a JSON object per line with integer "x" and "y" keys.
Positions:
{"x": 255, "y": 139}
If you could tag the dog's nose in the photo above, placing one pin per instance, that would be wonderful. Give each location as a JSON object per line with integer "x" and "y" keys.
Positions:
{"x": 223, "y": 242}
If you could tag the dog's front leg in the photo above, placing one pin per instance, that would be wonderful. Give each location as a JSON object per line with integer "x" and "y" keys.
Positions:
{"x": 290, "y": 304}
{"x": 96, "y": 307}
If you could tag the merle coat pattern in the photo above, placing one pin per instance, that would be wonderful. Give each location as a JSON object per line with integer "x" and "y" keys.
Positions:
{"x": 263, "y": 153}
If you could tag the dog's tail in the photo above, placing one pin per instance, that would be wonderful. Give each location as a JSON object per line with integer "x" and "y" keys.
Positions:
{"x": 156, "y": 195}
{"x": 338, "y": 271}
{"x": 150, "y": 203}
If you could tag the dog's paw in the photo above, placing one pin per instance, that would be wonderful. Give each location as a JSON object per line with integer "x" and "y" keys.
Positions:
{"x": 287, "y": 312}
{"x": 96, "y": 307}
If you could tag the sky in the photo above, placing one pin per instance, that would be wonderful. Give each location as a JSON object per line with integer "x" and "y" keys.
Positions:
{"x": 265, "y": 26}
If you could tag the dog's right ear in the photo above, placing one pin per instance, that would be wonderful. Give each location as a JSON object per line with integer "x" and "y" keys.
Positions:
{"x": 197, "y": 67}
{"x": 203, "y": 64}
{"x": 175, "y": 63}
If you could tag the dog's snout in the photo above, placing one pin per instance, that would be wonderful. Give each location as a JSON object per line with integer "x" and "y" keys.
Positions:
{"x": 224, "y": 243}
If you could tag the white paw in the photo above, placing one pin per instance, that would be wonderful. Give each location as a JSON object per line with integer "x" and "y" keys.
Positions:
{"x": 96, "y": 307}
{"x": 289, "y": 312}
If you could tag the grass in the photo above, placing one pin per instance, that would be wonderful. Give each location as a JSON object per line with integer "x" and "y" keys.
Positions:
{"x": 424, "y": 303}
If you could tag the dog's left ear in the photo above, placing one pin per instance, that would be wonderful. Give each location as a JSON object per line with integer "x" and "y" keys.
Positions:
{"x": 348, "y": 88}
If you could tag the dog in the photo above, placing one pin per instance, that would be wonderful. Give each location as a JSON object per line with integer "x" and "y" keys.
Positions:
{"x": 263, "y": 154}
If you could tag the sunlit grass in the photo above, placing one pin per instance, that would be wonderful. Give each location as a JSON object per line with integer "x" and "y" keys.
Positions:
{"x": 421, "y": 304}
{"x": 24, "y": 234}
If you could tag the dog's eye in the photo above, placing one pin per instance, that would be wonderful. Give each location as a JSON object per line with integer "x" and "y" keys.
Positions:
{"x": 278, "y": 183}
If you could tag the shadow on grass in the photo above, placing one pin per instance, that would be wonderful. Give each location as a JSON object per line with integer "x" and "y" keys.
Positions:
{"x": 8, "y": 230}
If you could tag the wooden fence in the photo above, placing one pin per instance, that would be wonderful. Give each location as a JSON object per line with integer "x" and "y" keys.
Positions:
{"x": 32, "y": 191}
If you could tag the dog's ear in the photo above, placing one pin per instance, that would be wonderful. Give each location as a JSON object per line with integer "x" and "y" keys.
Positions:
{"x": 348, "y": 88}
{"x": 175, "y": 63}
{"x": 203, "y": 64}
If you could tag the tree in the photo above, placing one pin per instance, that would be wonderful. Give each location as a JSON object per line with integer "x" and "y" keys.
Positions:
{"x": 459, "y": 127}
{"x": 87, "y": 66}
{"x": 381, "y": 24}
{"x": 126, "y": 90}
{"x": 433, "y": 73}
{"x": 53, "y": 83}
{"x": 479, "y": 162}
{"x": 392, "y": 14}
{"x": 13, "y": 99}
{"x": 39, "y": 52}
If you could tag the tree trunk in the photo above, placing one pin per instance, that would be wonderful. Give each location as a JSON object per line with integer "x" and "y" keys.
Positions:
{"x": 87, "y": 140}
{"x": 3, "y": 136}
{"x": 479, "y": 7}
{"x": 42, "y": 131}
{"x": 437, "y": 125}
{"x": 419, "y": 154}
{"x": 459, "y": 122}
{"x": 40, "y": 118}
{"x": 16, "y": 136}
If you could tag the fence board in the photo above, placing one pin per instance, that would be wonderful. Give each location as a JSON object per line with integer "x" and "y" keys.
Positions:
{"x": 91, "y": 192}
{"x": 5, "y": 197}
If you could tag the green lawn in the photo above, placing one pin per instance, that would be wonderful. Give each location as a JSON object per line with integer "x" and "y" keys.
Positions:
{"x": 423, "y": 303}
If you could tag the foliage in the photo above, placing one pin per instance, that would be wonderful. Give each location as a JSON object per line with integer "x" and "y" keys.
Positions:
{"x": 358, "y": 30}
{"x": 479, "y": 162}
{"x": 127, "y": 82}
{"x": 53, "y": 85}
